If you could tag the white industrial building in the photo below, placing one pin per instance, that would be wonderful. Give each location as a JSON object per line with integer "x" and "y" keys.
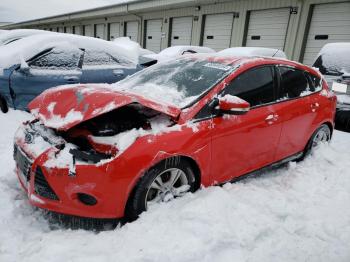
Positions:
{"x": 299, "y": 27}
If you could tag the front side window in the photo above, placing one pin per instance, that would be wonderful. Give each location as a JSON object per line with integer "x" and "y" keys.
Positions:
{"x": 57, "y": 59}
{"x": 256, "y": 86}
{"x": 179, "y": 82}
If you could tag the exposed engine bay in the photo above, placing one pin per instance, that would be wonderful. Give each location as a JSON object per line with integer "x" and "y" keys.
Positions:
{"x": 83, "y": 145}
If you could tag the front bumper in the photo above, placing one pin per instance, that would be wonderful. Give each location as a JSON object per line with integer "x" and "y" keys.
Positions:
{"x": 54, "y": 188}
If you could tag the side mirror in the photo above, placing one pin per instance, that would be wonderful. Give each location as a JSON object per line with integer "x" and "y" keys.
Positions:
{"x": 232, "y": 105}
{"x": 24, "y": 69}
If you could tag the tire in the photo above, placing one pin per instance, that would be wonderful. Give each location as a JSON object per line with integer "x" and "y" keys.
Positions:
{"x": 147, "y": 193}
{"x": 3, "y": 105}
{"x": 321, "y": 135}
{"x": 342, "y": 120}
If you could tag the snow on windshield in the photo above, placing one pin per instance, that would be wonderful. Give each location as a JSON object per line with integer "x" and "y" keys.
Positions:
{"x": 178, "y": 82}
{"x": 334, "y": 59}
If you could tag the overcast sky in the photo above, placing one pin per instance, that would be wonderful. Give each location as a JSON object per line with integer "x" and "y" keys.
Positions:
{"x": 21, "y": 10}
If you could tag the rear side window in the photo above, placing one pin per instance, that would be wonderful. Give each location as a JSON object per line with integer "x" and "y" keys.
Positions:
{"x": 315, "y": 82}
{"x": 256, "y": 86}
{"x": 294, "y": 83}
{"x": 95, "y": 58}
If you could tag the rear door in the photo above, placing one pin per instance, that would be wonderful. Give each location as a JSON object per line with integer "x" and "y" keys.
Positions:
{"x": 51, "y": 68}
{"x": 243, "y": 143}
{"x": 296, "y": 109}
{"x": 101, "y": 67}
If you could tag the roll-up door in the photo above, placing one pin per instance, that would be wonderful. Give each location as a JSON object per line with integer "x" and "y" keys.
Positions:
{"x": 218, "y": 31}
{"x": 114, "y": 31}
{"x": 132, "y": 30}
{"x": 88, "y": 30}
{"x": 100, "y": 31}
{"x": 329, "y": 23}
{"x": 153, "y": 34}
{"x": 268, "y": 28}
{"x": 181, "y": 31}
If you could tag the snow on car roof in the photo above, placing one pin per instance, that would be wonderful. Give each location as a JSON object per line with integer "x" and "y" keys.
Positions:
{"x": 253, "y": 51}
{"x": 26, "y": 48}
{"x": 132, "y": 46}
{"x": 174, "y": 51}
{"x": 335, "y": 56}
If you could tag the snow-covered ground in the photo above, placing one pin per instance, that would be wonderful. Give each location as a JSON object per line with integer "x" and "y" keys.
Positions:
{"x": 297, "y": 213}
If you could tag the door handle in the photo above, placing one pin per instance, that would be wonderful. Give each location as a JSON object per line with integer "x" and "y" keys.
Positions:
{"x": 118, "y": 72}
{"x": 314, "y": 106}
{"x": 270, "y": 119}
{"x": 71, "y": 79}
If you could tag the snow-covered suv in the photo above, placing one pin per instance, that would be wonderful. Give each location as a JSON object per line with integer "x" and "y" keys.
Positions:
{"x": 333, "y": 61}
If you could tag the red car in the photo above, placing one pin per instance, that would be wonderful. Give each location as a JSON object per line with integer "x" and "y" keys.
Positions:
{"x": 111, "y": 151}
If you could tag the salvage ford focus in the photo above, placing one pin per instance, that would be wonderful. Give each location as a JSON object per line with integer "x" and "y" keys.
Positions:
{"x": 112, "y": 151}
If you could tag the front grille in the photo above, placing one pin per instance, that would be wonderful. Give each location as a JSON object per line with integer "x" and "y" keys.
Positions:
{"x": 42, "y": 187}
{"x": 24, "y": 163}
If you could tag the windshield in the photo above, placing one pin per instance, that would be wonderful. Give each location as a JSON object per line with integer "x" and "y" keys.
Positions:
{"x": 334, "y": 63}
{"x": 179, "y": 82}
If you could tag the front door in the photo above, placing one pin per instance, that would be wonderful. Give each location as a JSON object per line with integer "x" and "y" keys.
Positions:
{"x": 53, "y": 68}
{"x": 243, "y": 143}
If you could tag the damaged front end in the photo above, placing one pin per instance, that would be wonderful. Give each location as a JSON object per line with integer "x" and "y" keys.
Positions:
{"x": 94, "y": 140}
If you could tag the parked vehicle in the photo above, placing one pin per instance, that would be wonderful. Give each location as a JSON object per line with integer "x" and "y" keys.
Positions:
{"x": 11, "y": 36}
{"x": 333, "y": 61}
{"x": 109, "y": 151}
{"x": 253, "y": 51}
{"x": 173, "y": 52}
{"x": 36, "y": 63}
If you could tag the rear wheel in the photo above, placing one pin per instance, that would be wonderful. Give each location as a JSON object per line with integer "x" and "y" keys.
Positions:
{"x": 169, "y": 179}
{"x": 321, "y": 135}
{"x": 3, "y": 105}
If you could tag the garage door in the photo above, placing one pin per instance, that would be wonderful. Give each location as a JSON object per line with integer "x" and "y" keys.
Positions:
{"x": 60, "y": 29}
{"x": 329, "y": 23}
{"x": 68, "y": 29}
{"x": 217, "y": 31}
{"x": 78, "y": 30}
{"x": 153, "y": 35}
{"x": 88, "y": 30}
{"x": 181, "y": 31}
{"x": 132, "y": 30}
{"x": 114, "y": 31}
{"x": 100, "y": 31}
{"x": 268, "y": 28}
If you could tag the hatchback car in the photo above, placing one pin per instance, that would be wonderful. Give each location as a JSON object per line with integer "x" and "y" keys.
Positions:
{"x": 35, "y": 63}
{"x": 333, "y": 61}
{"x": 112, "y": 151}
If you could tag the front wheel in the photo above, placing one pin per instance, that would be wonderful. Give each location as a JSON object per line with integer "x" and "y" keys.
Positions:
{"x": 169, "y": 179}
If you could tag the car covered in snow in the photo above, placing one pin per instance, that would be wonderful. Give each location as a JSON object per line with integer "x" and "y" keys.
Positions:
{"x": 333, "y": 61}
{"x": 35, "y": 63}
{"x": 173, "y": 52}
{"x": 112, "y": 151}
{"x": 253, "y": 51}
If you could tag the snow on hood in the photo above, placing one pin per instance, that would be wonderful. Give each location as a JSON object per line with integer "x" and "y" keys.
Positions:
{"x": 63, "y": 107}
{"x": 26, "y": 48}
{"x": 175, "y": 51}
{"x": 252, "y": 51}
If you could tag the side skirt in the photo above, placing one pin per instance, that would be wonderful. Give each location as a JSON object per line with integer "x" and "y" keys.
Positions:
{"x": 270, "y": 167}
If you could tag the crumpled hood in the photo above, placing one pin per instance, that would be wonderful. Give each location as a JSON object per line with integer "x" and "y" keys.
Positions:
{"x": 63, "y": 107}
